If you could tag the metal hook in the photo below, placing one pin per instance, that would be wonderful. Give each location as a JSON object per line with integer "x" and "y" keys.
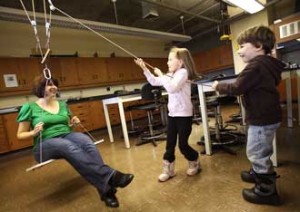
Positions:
{"x": 47, "y": 73}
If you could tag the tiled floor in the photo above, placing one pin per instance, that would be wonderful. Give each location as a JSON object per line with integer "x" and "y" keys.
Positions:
{"x": 57, "y": 187}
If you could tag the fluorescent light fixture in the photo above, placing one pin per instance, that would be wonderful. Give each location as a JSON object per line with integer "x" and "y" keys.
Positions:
{"x": 250, "y": 6}
{"x": 8, "y": 14}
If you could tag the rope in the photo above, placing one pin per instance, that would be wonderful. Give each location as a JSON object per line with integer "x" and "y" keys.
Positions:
{"x": 52, "y": 7}
{"x": 33, "y": 24}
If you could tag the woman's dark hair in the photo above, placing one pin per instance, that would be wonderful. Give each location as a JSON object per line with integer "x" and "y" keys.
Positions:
{"x": 40, "y": 83}
{"x": 258, "y": 36}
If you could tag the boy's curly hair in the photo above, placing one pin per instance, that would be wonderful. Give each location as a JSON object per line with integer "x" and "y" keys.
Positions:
{"x": 258, "y": 36}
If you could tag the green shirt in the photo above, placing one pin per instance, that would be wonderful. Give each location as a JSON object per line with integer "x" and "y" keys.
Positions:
{"x": 54, "y": 124}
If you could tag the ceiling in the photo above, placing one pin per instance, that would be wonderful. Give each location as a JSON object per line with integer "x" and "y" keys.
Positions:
{"x": 174, "y": 16}
{"x": 188, "y": 17}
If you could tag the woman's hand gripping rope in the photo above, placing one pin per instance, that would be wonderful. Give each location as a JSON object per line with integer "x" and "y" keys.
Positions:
{"x": 37, "y": 129}
{"x": 74, "y": 121}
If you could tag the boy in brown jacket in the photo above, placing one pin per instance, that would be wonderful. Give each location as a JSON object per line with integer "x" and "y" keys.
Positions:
{"x": 257, "y": 84}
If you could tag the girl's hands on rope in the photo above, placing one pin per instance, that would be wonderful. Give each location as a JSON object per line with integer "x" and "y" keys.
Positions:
{"x": 74, "y": 121}
{"x": 141, "y": 64}
{"x": 38, "y": 128}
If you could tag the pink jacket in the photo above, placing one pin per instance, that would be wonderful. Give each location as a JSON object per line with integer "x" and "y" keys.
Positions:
{"x": 179, "y": 91}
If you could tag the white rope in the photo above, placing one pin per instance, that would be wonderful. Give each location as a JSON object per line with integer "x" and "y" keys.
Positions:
{"x": 52, "y": 7}
{"x": 33, "y": 23}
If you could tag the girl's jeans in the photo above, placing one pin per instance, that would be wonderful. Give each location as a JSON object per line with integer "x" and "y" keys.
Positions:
{"x": 260, "y": 147}
{"x": 78, "y": 149}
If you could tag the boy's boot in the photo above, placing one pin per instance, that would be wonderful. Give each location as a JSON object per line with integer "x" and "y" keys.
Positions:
{"x": 264, "y": 191}
{"x": 248, "y": 176}
{"x": 168, "y": 171}
{"x": 194, "y": 168}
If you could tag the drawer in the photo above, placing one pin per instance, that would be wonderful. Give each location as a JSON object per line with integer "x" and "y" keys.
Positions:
{"x": 79, "y": 106}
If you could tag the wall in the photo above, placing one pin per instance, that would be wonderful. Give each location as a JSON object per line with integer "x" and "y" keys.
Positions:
{"x": 17, "y": 40}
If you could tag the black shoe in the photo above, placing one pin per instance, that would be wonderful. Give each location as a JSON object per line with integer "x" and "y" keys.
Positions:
{"x": 248, "y": 176}
{"x": 250, "y": 196}
{"x": 120, "y": 179}
{"x": 110, "y": 199}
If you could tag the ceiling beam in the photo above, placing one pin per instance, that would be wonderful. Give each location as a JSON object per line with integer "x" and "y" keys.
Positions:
{"x": 191, "y": 18}
{"x": 180, "y": 10}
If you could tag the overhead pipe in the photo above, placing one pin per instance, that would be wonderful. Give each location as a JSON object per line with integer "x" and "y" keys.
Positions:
{"x": 180, "y": 10}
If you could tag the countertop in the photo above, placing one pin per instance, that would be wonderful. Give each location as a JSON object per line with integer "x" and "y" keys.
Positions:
{"x": 77, "y": 100}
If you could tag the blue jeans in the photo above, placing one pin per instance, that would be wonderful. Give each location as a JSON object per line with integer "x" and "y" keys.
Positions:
{"x": 78, "y": 149}
{"x": 260, "y": 148}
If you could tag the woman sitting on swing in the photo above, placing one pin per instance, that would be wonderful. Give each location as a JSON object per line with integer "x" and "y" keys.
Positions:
{"x": 48, "y": 121}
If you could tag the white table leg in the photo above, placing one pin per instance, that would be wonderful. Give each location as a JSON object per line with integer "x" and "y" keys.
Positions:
{"x": 124, "y": 125}
{"x": 274, "y": 155}
{"x": 108, "y": 125}
{"x": 289, "y": 100}
{"x": 205, "y": 125}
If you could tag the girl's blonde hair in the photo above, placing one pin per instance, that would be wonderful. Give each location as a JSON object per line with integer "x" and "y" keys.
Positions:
{"x": 188, "y": 62}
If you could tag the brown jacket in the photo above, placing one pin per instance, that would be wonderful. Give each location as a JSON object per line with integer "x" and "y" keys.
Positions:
{"x": 257, "y": 84}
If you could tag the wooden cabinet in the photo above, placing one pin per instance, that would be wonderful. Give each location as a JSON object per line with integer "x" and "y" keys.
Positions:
{"x": 81, "y": 110}
{"x": 19, "y": 73}
{"x": 90, "y": 113}
{"x": 64, "y": 70}
{"x": 72, "y": 73}
{"x": 10, "y": 127}
{"x": 226, "y": 56}
{"x": 92, "y": 71}
{"x": 122, "y": 69}
{"x": 4, "y": 144}
{"x": 214, "y": 59}
{"x": 160, "y": 63}
{"x": 97, "y": 114}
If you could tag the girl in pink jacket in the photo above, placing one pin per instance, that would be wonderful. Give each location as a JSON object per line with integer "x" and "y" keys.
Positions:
{"x": 178, "y": 85}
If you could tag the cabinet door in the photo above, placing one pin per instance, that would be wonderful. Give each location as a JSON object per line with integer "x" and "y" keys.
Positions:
{"x": 4, "y": 144}
{"x": 97, "y": 114}
{"x": 92, "y": 70}
{"x": 226, "y": 57}
{"x": 64, "y": 70}
{"x": 17, "y": 74}
{"x": 160, "y": 63}
{"x": 69, "y": 71}
{"x": 117, "y": 68}
{"x": 201, "y": 62}
{"x": 11, "y": 128}
{"x": 29, "y": 68}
